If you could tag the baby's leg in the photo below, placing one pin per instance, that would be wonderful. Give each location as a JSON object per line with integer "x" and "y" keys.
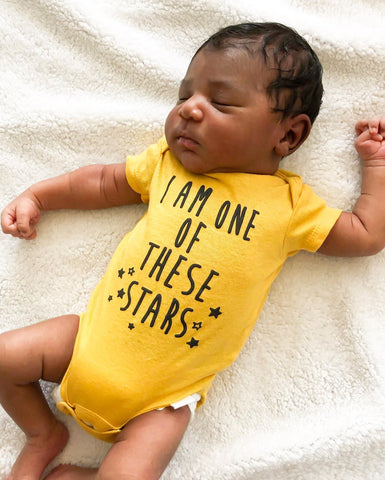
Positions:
{"x": 41, "y": 351}
{"x": 142, "y": 450}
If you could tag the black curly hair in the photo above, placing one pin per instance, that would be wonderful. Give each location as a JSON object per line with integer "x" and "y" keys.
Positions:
{"x": 297, "y": 85}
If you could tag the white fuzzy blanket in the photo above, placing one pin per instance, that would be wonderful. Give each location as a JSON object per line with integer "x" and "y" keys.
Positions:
{"x": 88, "y": 81}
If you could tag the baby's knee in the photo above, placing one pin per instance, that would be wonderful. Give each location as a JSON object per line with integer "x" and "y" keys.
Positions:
{"x": 13, "y": 354}
{"x": 6, "y": 354}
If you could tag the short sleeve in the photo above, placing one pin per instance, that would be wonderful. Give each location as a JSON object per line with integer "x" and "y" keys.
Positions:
{"x": 310, "y": 223}
{"x": 140, "y": 168}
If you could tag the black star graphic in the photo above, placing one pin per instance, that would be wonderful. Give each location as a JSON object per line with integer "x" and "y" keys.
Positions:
{"x": 131, "y": 326}
{"x": 192, "y": 343}
{"x": 197, "y": 325}
{"x": 121, "y": 272}
{"x": 215, "y": 312}
{"x": 131, "y": 271}
{"x": 121, "y": 293}
{"x": 110, "y": 298}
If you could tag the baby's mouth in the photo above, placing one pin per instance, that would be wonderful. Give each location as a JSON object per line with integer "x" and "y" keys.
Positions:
{"x": 187, "y": 142}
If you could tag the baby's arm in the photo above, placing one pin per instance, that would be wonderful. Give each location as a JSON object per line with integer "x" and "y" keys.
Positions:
{"x": 362, "y": 232}
{"x": 94, "y": 186}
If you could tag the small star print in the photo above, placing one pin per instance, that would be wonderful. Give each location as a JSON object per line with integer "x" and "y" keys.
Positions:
{"x": 131, "y": 271}
{"x": 121, "y": 293}
{"x": 197, "y": 325}
{"x": 131, "y": 326}
{"x": 110, "y": 298}
{"x": 193, "y": 342}
{"x": 121, "y": 272}
{"x": 215, "y": 312}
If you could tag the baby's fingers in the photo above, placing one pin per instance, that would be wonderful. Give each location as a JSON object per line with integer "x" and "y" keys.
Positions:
{"x": 8, "y": 223}
{"x": 25, "y": 225}
{"x": 381, "y": 129}
{"x": 361, "y": 126}
{"x": 22, "y": 223}
{"x": 374, "y": 128}
{"x": 30, "y": 236}
{"x": 20, "y": 218}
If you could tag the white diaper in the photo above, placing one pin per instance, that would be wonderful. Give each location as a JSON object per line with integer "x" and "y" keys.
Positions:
{"x": 191, "y": 401}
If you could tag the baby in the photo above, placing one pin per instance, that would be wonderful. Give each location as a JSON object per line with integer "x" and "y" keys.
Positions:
{"x": 183, "y": 289}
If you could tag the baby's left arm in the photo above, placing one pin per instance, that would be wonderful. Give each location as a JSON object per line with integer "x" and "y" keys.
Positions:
{"x": 362, "y": 231}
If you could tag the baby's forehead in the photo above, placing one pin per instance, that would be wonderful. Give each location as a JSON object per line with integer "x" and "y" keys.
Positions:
{"x": 235, "y": 61}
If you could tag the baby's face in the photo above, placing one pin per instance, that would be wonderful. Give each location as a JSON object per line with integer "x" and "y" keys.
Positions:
{"x": 223, "y": 120}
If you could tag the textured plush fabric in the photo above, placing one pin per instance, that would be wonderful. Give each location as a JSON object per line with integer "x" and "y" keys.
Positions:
{"x": 89, "y": 82}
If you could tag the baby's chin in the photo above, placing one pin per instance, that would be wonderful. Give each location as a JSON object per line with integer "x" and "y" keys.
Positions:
{"x": 191, "y": 162}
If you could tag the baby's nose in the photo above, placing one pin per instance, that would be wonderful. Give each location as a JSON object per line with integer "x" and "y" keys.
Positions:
{"x": 191, "y": 109}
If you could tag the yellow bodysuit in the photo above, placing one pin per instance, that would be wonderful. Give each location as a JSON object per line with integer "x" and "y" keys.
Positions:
{"x": 184, "y": 288}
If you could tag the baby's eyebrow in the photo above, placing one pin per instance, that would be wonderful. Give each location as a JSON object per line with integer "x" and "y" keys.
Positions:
{"x": 226, "y": 85}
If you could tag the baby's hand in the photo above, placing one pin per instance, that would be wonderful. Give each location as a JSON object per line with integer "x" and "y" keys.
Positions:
{"x": 370, "y": 142}
{"x": 20, "y": 217}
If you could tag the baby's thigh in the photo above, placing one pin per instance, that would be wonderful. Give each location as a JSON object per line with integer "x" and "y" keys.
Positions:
{"x": 146, "y": 445}
{"x": 39, "y": 351}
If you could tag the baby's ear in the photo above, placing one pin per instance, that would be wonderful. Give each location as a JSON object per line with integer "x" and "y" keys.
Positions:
{"x": 296, "y": 131}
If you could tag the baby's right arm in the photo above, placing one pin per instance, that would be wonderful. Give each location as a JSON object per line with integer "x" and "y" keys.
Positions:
{"x": 91, "y": 187}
